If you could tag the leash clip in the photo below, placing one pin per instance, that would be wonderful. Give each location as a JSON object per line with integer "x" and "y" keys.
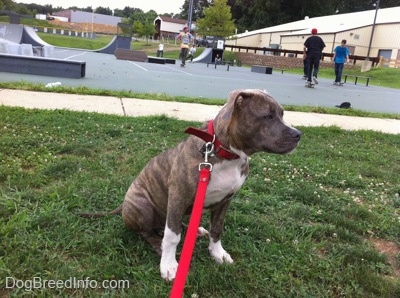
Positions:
{"x": 208, "y": 150}
{"x": 205, "y": 165}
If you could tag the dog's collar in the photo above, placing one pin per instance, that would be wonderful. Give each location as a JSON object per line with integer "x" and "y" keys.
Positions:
{"x": 210, "y": 137}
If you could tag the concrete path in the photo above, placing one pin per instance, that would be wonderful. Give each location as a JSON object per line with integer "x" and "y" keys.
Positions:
{"x": 184, "y": 111}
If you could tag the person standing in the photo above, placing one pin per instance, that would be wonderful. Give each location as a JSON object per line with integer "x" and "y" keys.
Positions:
{"x": 340, "y": 57}
{"x": 313, "y": 47}
{"x": 186, "y": 39}
{"x": 191, "y": 53}
{"x": 305, "y": 68}
{"x": 160, "y": 52}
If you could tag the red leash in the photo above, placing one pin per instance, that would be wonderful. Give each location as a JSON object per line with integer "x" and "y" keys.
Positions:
{"x": 191, "y": 234}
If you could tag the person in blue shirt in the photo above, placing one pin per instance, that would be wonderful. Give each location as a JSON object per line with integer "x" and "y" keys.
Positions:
{"x": 340, "y": 57}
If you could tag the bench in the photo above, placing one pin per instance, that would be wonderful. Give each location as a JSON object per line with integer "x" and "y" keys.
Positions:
{"x": 227, "y": 68}
{"x": 158, "y": 60}
{"x": 125, "y": 54}
{"x": 265, "y": 69}
{"x": 231, "y": 62}
{"x": 280, "y": 69}
{"x": 43, "y": 66}
{"x": 356, "y": 78}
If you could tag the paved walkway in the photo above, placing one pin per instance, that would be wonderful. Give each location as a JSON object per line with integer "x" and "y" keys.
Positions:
{"x": 184, "y": 111}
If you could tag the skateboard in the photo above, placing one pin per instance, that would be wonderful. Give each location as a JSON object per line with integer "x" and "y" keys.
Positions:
{"x": 338, "y": 84}
{"x": 309, "y": 85}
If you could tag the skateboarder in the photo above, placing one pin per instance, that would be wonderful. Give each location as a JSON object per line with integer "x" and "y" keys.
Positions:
{"x": 340, "y": 57}
{"x": 313, "y": 47}
{"x": 186, "y": 39}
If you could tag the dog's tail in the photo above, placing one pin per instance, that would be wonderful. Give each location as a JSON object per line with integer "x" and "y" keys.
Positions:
{"x": 101, "y": 214}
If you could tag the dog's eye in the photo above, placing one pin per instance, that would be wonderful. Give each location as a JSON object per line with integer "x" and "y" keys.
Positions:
{"x": 268, "y": 117}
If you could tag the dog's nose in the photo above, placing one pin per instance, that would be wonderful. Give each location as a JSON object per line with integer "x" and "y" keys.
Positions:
{"x": 296, "y": 134}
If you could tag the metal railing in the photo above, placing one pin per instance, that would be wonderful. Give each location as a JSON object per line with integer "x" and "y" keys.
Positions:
{"x": 294, "y": 53}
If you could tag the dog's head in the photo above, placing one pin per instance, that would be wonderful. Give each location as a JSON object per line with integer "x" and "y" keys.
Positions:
{"x": 252, "y": 121}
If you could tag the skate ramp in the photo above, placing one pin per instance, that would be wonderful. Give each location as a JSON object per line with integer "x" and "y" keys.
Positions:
{"x": 29, "y": 35}
{"x": 11, "y": 32}
{"x": 118, "y": 42}
{"x": 18, "y": 46}
{"x": 19, "y": 34}
{"x": 205, "y": 57}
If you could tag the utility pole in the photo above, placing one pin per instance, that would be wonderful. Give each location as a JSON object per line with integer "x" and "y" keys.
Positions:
{"x": 373, "y": 28}
{"x": 190, "y": 13}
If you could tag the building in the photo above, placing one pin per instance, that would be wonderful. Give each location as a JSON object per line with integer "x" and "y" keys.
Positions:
{"x": 168, "y": 28}
{"x": 88, "y": 17}
{"x": 356, "y": 28}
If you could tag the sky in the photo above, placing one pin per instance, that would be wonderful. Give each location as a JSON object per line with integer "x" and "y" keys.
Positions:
{"x": 160, "y": 6}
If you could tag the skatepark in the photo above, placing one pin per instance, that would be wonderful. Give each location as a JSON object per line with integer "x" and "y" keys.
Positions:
{"x": 104, "y": 71}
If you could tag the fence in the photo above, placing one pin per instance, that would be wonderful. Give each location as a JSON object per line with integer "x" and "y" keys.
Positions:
{"x": 386, "y": 62}
{"x": 293, "y": 53}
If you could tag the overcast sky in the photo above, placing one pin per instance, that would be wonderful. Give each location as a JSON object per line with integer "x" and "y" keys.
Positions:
{"x": 160, "y": 6}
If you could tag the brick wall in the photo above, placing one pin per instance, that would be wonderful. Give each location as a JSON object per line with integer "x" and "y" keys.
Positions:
{"x": 279, "y": 61}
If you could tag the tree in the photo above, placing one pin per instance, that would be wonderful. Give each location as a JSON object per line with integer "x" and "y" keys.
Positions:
{"x": 198, "y": 9}
{"x": 7, "y": 4}
{"x": 217, "y": 20}
{"x": 148, "y": 30}
{"x": 137, "y": 28}
{"x": 137, "y": 15}
{"x": 104, "y": 10}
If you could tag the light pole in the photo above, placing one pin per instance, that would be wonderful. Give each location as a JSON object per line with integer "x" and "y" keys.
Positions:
{"x": 373, "y": 28}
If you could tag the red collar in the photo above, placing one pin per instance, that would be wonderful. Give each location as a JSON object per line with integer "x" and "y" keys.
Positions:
{"x": 210, "y": 137}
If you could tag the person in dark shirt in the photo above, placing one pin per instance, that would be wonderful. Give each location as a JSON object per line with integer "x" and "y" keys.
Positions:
{"x": 313, "y": 47}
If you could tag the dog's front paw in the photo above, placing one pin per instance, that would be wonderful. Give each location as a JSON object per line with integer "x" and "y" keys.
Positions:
{"x": 219, "y": 253}
{"x": 201, "y": 232}
{"x": 168, "y": 270}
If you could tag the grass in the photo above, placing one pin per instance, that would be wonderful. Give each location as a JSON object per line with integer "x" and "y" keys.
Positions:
{"x": 380, "y": 76}
{"x": 303, "y": 225}
{"x": 76, "y": 42}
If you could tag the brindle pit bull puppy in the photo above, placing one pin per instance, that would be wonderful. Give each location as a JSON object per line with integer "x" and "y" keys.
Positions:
{"x": 164, "y": 191}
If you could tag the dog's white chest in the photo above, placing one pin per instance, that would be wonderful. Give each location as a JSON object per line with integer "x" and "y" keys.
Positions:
{"x": 226, "y": 178}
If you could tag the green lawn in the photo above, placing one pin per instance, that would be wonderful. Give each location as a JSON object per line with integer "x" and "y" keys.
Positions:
{"x": 311, "y": 224}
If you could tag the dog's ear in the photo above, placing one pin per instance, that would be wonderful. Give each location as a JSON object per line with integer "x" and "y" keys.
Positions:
{"x": 235, "y": 102}
{"x": 240, "y": 97}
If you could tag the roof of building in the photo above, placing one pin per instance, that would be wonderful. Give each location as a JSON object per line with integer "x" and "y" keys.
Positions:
{"x": 333, "y": 23}
{"x": 172, "y": 20}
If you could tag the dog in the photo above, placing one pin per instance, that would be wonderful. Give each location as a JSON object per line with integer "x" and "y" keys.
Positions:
{"x": 164, "y": 191}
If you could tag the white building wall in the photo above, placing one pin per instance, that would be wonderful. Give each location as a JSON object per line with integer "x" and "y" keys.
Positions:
{"x": 171, "y": 27}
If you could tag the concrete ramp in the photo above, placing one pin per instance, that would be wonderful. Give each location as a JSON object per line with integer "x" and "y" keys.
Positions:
{"x": 118, "y": 42}
{"x": 11, "y": 32}
{"x": 29, "y": 35}
{"x": 205, "y": 56}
